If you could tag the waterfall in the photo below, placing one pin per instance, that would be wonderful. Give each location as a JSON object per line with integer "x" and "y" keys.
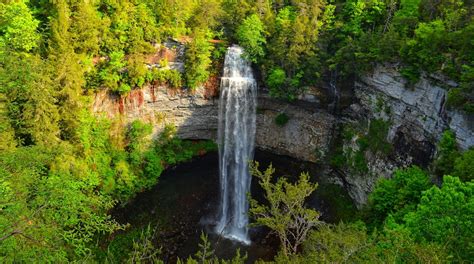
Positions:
{"x": 334, "y": 92}
{"x": 236, "y": 140}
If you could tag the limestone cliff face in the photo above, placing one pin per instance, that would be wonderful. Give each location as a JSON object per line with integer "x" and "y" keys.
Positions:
{"x": 422, "y": 107}
{"x": 194, "y": 116}
{"x": 417, "y": 116}
{"x": 306, "y": 136}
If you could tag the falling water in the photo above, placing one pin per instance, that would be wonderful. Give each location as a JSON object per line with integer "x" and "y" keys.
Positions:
{"x": 334, "y": 91}
{"x": 236, "y": 140}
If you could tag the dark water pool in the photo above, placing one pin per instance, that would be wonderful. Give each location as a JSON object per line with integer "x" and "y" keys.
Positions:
{"x": 184, "y": 202}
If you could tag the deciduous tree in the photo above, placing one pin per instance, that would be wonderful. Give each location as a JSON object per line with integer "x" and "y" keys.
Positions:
{"x": 284, "y": 211}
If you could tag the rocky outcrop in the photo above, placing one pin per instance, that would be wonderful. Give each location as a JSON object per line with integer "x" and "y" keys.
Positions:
{"x": 418, "y": 116}
{"x": 384, "y": 93}
{"x": 306, "y": 136}
{"x": 193, "y": 114}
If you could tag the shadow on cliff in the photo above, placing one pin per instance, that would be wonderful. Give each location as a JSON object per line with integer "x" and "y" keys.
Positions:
{"x": 202, "y": 117}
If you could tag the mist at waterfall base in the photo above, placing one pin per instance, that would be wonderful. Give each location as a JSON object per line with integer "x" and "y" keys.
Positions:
{"x": 236, "y": 140}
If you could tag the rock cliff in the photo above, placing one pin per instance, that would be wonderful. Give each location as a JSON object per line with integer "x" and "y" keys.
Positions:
{"x": 306, "y": 136}
{"x": 417, "y": 117}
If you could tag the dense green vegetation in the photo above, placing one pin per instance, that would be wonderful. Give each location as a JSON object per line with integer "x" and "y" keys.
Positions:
{"x": 408, "y": 220}
{"x": 359, "y": 140}
{"x": 62, "y": 169}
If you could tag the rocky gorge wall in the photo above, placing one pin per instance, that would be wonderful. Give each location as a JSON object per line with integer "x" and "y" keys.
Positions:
{"x": 417, "y": 117}
{"x": 306, "y": 136}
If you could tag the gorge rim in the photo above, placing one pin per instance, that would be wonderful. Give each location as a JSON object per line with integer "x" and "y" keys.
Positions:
{"x": 236, "y": 141}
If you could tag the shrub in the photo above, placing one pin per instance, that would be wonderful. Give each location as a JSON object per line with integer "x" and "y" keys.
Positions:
{"x": 447, "y": 153}
{"x": 275, "y": 81}
{"x": 281, "y": 119}
{"x": 283, "y": 87}
{"x": 137, "y": 70}
{"x": 464, "y": 166}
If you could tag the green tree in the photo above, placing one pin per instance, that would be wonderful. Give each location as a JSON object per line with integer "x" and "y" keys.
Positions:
{"x": 86, "y": 28}
{"x": 447, "y": 153}
{"x": 7, "y": 134}
{"x": 30, "y": 99}
{"x": 18, "y": 27}
{"x": 445, "y": 216}
{"x": 137, "y": 137}
{"x": 250, "y": 35}
{"x": 143, "y": 30}
{"x": 397, "y": 196}
{"x": 464, "y": 166}
{"x": 206, "y": 14}
{"x": 350, "y": 243}
{"x": 137, "y": 70}
{"x": 285, "y": 214}
{"x": 336, "y": 244}
{"x": 198, "y": 60}
{"x": 111, "y": 72}
{"x": 143, "y": 249}
{"x": 173, "y": 16}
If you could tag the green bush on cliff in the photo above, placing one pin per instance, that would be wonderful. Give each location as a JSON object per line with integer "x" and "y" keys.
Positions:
{"x": 464, "y": 166}
{"x": 281, "y": 119}
{"x": 373, "y": 139}
{"x": 448, "y": 152}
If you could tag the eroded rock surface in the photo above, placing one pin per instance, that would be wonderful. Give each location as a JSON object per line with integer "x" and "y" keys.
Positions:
{"x": 418, "y": 116}
{"x": 194, "y": 116}
{"x": 306, "y": 136}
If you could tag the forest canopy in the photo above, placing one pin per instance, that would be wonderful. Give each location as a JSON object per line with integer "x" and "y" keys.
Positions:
{"x": 62, "y": 168}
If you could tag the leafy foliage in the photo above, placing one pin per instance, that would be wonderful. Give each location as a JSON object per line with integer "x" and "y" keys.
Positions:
{"x": 351, "y": 243}
{"x": 397, "y": 196}
{"x": 373, "y": 139}
{"x": 198, "y": 54}
{"x": 445, "y": 216}
{"x": 18, "y": 27}
{"x": 285, "y": 213}
{"x": 464, "y": 166}
{"x": 281, "y": 119}
{"x": 251, "y": 36}
{"x": 447, "y": 153}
